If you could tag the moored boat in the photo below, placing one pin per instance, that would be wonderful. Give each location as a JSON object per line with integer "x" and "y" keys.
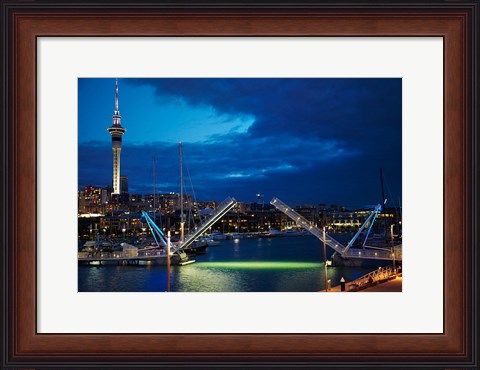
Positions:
{"x": 210, "y": 242}
{"x": 216, "y": 235}
{"x": 272, "y": 233}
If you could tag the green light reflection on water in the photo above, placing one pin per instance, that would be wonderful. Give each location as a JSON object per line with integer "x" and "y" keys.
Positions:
{"x": 259, "y": 265}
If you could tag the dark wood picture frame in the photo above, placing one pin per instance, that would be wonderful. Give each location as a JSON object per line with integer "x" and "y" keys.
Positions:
{"x": 457, "y": 22}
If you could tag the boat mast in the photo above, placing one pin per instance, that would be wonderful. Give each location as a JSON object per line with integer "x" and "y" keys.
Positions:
{"x": 154, "y": 186}
{"x": 384, "y": 201}
{"x": 383, "y": 190}
{"x": 182, "y": 221}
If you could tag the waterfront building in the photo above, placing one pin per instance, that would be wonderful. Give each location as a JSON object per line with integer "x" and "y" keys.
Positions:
{"x": 81, "y": 202}
{"x": 115, "y": 206}
{"x": 122, "y": 198}
{"x": 123, "y": 224}
{"x": 390, "y": 216}
{"x": 348, "y": 219}
{"x": 241, "y": 207}
{"x": 92, "y": 199}
{"x": 234, "y": 222}
{"x": 94, "y": 195}
{"x": 167, "y": 202}
{"x": 88, "y": 227}
{"x": 123, "y": 211}
{"x": 136, "y": 198}
{"x": 205, "y": 204}
{"x": 307, "y": 211}
{"x": 337, "y": 207}
{"x": 92, "y": 209}
{"x": 116, "y": 131}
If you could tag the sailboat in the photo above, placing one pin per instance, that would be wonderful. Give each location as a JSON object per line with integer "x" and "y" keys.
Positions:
{"x": 197, "y": 247}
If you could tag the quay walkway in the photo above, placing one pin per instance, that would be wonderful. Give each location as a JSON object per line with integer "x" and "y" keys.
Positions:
{"x": 394, "y": 285}
{"x": 126, "y": 257}
{"x": 380, "y": 280}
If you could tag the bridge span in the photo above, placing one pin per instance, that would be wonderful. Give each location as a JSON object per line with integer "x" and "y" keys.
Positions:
{"x": 345, "y": 252}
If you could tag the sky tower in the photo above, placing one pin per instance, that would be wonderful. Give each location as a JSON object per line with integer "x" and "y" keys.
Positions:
{"x": 117, "y": 131}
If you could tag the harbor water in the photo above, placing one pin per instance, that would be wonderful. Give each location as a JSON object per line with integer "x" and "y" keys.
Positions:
{"x": 287, "y": 264}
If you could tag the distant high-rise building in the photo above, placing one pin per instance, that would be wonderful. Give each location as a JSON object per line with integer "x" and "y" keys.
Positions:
{"x": 92, "y": 199}
{"x": 123, "y": 184}
{"x": 116, "y": 131}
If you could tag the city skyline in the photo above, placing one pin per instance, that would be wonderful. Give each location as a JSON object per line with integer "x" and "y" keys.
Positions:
{"x": 306, "y": 141}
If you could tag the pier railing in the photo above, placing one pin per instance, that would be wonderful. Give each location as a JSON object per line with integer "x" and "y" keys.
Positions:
{"x": 372, "y": 278}
{"x": 217, "y": 214}
{"x": 121, "y": 255}
{"x": 375, "y": 254}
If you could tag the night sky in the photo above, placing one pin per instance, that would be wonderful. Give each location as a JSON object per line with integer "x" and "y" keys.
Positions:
{"x": 305, "y": 141}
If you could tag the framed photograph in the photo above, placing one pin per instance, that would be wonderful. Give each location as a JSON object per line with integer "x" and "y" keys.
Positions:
{"x": 231, "y": 185}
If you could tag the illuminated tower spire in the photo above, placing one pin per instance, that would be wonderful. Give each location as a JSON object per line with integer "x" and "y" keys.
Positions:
{"x": 116, "y": 98}
{"x": 116, "y": 131}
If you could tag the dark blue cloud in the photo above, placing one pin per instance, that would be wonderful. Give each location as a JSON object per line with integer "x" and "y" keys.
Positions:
{"x": 311, "y": 141}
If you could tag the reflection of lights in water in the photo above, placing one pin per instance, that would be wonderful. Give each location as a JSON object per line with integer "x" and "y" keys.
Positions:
{"x": 236, "y": 240}
{"x": 260, "y": 265}
{"x": 249, "y": 265}
{"x": 206, "y": 280}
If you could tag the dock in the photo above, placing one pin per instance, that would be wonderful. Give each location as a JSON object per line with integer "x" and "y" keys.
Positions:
{"x": 380, "y": 280}
{"x": 123, "y": 261}
{"x": 394, "y": 285}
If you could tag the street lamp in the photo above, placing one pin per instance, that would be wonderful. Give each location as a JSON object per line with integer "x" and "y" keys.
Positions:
{"x": 325, "y": 258}
{"x": 258, "y": 195}
{"x": 168, "y": 261}
{"x": 393, "y": 248}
